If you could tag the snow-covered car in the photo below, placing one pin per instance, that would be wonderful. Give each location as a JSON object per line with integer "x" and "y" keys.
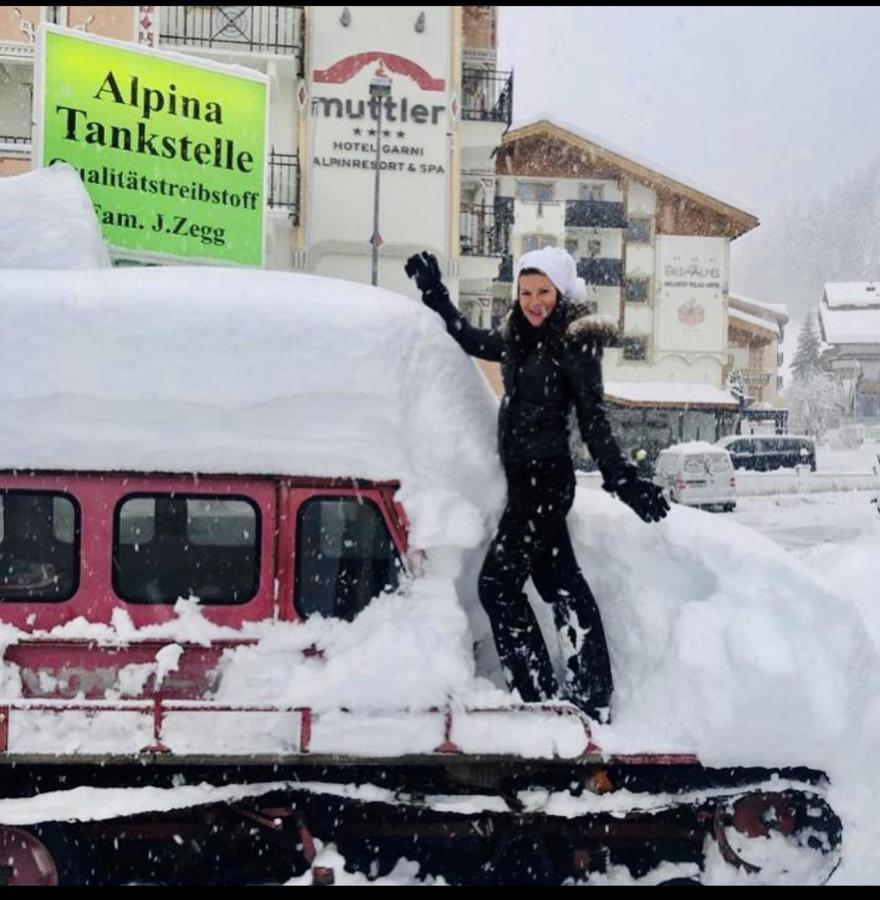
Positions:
{"x": 697, "y": 474}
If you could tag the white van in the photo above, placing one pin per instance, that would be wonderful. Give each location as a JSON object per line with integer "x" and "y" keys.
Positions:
{"x": 697, "y": 474}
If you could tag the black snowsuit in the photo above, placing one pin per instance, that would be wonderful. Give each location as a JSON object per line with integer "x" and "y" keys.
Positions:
{"x": 545, "y": 370}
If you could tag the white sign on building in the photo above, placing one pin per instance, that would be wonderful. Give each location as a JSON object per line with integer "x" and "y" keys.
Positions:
{"x": 343, "y": 125}
{"x": 691, "y": 275}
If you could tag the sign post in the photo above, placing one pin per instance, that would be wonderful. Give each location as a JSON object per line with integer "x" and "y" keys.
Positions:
{"x": 171, "y": 150}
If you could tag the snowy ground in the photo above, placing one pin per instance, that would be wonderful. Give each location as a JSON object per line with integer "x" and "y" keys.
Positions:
{"x": 834, "y": 456}
{"x": 803, "y": 522}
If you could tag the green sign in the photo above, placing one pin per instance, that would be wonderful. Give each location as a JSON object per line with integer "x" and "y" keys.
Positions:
{"x": 172, "y": 153}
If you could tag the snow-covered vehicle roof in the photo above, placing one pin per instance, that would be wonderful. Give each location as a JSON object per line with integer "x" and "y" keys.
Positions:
{"x": 218, "y": 370}
{"x": 692, "y": 447}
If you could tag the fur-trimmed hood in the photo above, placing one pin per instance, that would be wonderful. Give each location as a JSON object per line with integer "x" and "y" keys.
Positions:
{"x": 592, "y": 327}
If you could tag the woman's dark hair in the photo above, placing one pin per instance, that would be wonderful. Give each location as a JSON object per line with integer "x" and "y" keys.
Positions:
{"x": 533, "y": 271}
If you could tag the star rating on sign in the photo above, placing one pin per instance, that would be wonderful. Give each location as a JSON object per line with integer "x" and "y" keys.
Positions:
{"x": 358, "y": 132}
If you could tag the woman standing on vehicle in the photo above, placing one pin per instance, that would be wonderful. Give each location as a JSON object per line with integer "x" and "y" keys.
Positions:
{"x": 550, "y": 349}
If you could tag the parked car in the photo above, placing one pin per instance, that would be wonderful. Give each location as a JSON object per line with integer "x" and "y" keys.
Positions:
{"x": 763, "y": 453}
{"x": 697, "y": 474}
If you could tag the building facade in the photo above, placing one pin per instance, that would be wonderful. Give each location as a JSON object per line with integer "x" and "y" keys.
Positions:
{"x": 654, "y": 252}
{"x": 849, "y": 326}
{"x": 447, "y": 108}
{"x": 756, "y": 331}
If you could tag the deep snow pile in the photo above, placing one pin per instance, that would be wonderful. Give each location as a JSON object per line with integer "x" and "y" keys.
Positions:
{"x": 218, "y": 370}
{"x": 721, "y": 642}
{"x": 47, "y": 222}
{"x": 853, "y": 571}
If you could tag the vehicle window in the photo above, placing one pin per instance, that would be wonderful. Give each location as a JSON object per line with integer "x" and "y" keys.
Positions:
{"x": 344, "y": 557}
{"x": 719, "y": 463}
{"x": 136, "y": 525}
{"x": 695, "y": 464}
{"x": 168, "y": 546}
{"x": 39, "y": 546}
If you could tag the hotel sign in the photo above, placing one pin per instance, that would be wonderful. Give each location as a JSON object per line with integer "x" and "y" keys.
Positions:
{"x": 691, "y": 276}
{"x": 407, "y": 122}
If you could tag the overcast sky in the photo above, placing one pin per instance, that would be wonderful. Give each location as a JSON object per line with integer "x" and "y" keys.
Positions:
{"x": 767, "y": 105}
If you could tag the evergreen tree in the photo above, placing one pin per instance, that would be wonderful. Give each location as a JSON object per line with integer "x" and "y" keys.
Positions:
{"x": 806, "y": 357}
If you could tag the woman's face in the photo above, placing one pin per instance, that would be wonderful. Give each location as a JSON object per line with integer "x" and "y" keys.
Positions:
{"x": 537, "y": 298}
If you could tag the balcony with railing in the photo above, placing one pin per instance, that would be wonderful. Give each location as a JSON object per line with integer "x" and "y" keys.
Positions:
{"x": 487, "y": 96}
{"x": 15, "y": 143}
{"x": 284, "y": 184}
{"x": 594, "y": 214}
{"x": 275, "y": 30}
{"x": 600, "y": 271}
{"x": 484, "y": 230}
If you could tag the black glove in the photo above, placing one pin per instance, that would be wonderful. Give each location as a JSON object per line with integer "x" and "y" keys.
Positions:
{"x": 644, "y": 498}
{"x": 425, "y": 269}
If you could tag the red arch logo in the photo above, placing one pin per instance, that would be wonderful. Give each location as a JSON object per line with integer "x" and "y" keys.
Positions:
{"x": 347, "y": 68}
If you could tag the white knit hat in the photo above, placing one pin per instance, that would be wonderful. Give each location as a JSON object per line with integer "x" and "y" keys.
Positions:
{"x": 559, "y": 266}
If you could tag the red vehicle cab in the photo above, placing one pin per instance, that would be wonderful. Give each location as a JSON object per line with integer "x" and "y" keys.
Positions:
{"x": 87, "y": 545}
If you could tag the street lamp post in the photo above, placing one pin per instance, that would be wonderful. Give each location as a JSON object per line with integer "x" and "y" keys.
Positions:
{"x": 380, "y": 88}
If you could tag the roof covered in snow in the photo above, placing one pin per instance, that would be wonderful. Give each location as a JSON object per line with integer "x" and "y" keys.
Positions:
{"x": 668, "y": 393}
{"x": 850, "y": 326}
{"x": 777, "y": 311}
{"x": 634, "y": 162}
{"x": 770, "y": 325}
{"x": 859, "y": 294}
